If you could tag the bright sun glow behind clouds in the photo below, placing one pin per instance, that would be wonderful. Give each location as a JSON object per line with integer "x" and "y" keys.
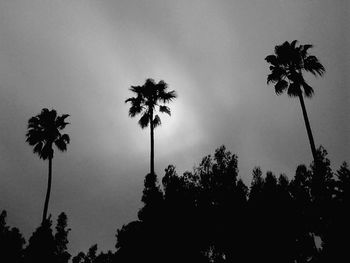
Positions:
{"x": 113, "y": 60}
{"x": 180, "y": 130}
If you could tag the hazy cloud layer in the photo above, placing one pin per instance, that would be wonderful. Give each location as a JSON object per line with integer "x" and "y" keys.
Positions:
{"x": 80, "y": 57}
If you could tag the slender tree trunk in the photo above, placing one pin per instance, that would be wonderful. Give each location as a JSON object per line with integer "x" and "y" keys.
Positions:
{"x": 47, "y": 198}
{"x": 152, "y": 143}
{"x": 308, "y": 128}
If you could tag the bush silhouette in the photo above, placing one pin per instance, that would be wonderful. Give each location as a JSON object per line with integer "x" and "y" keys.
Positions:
{"x": 210, "y": 215}
{"x": 11, "y": 242}
{"x": 44, "y": 246}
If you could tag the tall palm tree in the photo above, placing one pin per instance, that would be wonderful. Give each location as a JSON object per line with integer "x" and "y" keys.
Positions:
{"x": 44, "y": 131}
{"x": 148, "y": 98}
{"x": 287, "y": 67}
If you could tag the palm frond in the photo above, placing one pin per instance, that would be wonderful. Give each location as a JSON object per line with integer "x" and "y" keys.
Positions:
{"x": 282, "y": 53}
{"x": 129, "y": 100}
{"x": 34, "y": 136}
{"x": 60, "y": 121}
{"x": 52, "y": 115}
{"x": 281, "y": 86}
{"x": 314, "y": 66}
{"x": 47, "y": 118}
{"x": 66, "y": 138}
{"x": 144, "y": 120}
{"x": 294, "y": 89}
{"x": 136, "y": 89}
{"x": 304, "y": 49}
{"x": 38, "y": 148}
{"x": 62, "y": 141}
{"x": 156, "y": 121}
{"x": 33, "y": 122}
{"x": 272, "y": 59}
{"x": 149, "y": 89}
{"x": 164, "y": 109}
{"x": 46, "y": 151}
{"x": 166, "y": 97}
{"x": 293, "y": 44}
{"x": 161, "y": 86}
{"x": 149, "y": 82}
{"x": 308, "y": 90}
{"x": 277, "y": 73}
{"x": 135, "y": 109}
{"x": 44, "y": 111}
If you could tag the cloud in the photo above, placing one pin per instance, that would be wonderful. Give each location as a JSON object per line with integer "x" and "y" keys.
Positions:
{"x": 80, "y": 57}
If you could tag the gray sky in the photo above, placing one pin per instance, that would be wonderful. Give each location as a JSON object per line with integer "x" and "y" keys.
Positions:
{"x": 81, "y": 56}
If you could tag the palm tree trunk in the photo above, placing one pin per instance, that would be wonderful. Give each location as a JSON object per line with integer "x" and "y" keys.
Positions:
{"x": 308, "y": 128}
{"x": 47, "y": 198}
{"x": 152, "y": 143}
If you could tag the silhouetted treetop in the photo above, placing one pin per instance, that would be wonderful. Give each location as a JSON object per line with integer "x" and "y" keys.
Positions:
{"x": 41, "y": 246}
{"x": 149, "y": 98}
{"x": 287, "y": 65}
{"x": 44, "y": 130}
{"x": 343, "y": 183}
{"x": 61, "y": 239}
{"x": 11, "y": 242}
{"x": 92, "y": 257}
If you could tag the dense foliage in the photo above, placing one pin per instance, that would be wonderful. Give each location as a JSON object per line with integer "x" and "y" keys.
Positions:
{"x": 210, "y": 215}
{"x": 43, "y": 245}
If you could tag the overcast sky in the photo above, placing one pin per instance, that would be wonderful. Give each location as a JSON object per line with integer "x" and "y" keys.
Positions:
{"x": 81, "y": 56}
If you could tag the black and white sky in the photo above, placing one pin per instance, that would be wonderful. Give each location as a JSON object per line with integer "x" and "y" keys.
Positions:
{"x": 81, "y": 56}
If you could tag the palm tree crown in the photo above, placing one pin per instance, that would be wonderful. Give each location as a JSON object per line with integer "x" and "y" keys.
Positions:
{"x": 148, "y": 97}
{"x": 287, "y": 65}
{"x": 44, "y": 132}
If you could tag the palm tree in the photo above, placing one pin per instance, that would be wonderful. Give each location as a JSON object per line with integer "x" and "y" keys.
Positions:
{"x": 287, "y": 66}
{"x": 148, "y": 97}
{"x": 43, "y": 133}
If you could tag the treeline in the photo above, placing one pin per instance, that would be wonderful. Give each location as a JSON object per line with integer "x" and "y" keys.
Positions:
{"x": 44, "y": 245}
{"x": 210, "y": 215}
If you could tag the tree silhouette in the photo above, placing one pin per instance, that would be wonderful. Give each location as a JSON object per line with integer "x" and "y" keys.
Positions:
{"x": 44, "y": 131}
{"x": 287, "y": 66}
{"x": 343, "y": 183}
{"x": 148, "y": 97}
{"x": 337, "y": 245}
{"x": 152, "y": 198}
{"x": 302, "y": 220}
{"x": 132, "y": 243}
{"x": 11, "y": 242}
{"x": 41, "y": 246}
{"x": 61, "y": 239}
{"x": 92, "y": 257}
{"x": 46, "y": 246}
{"x": 208, "y": 215}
